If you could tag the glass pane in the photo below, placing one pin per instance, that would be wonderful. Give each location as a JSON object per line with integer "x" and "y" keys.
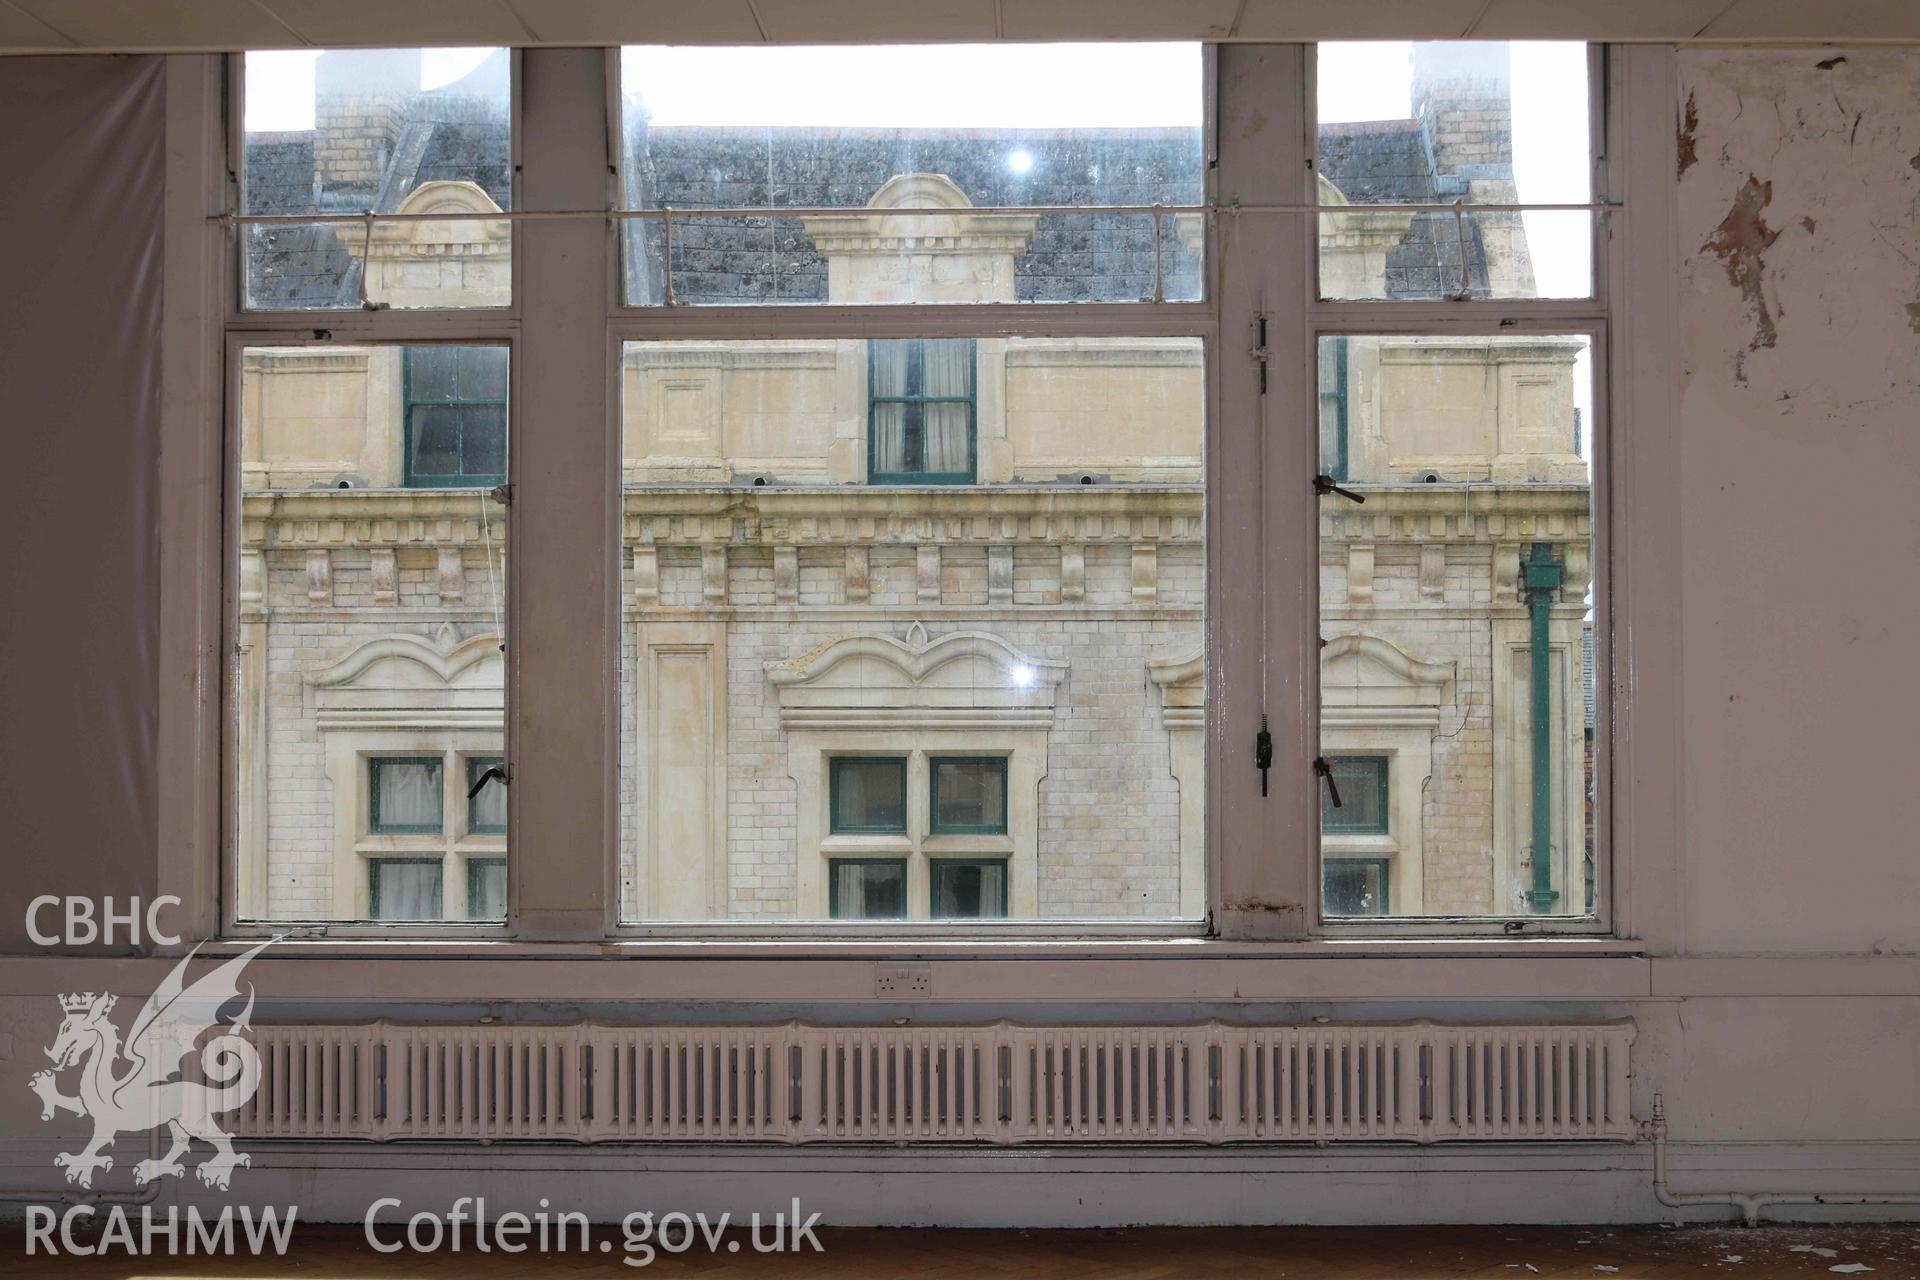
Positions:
{"x": 969, "y": 890}
{"x": 1473, "y": 122}
{"x": 407, "y": 795}
{"x": 791, "y": 604}
{"x": 1355, "y": 887}
{"x": 970, "y": 795}
{"x": 1455, "y": 608}
{"x": 487, "y": 808}
{"x": 406, "y": 131}
{"x": 486, "y": 889}
{"x": 369, "y": 625}
{"x": 404, "y": 888}
{"x": 875, "y": 128}
{"x": 869, "y": 795}
{"x": 1361, "y": 801}
{"x": 869, "y": 890}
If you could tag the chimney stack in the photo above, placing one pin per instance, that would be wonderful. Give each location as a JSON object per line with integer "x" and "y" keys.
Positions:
{"x": 360, "y": 101}
{"x": 1462, "y": 94}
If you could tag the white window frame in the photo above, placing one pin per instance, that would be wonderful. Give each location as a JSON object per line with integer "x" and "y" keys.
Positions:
{"x": 1262, "y": 872}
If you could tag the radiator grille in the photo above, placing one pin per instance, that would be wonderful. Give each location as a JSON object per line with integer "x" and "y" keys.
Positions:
{"x": 1001, "y": 1083}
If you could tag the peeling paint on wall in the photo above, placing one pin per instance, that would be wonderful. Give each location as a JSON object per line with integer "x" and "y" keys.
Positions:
{"x": 1740, "y": 241}
{"x": 1829, "y": 146}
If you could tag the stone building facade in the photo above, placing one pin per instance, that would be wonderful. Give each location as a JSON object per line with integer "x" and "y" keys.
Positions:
{"x": 910, "y": 629}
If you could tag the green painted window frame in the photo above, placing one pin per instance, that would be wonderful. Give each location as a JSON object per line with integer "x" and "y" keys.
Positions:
{"x": 833, "y": 885}
{"x": 373, "y": 883}
{"x": 936, "y": 908}
{"x": 477, "y": 765}
{"x": 374, "y": 765}
{"x": 1329, "y": 816}
{"x": 916, "y": 360}
{"x": 409, "y": 403}
{"x": 834, "y": 824}
{"x": 935, "y": 826}
{"x": 1385, "y": 866}
{"x": 473, "y": 866}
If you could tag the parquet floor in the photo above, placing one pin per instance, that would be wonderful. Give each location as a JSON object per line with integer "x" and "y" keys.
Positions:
{"x": 1310, "y": 1253}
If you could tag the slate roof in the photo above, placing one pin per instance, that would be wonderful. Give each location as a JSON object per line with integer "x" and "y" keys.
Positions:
{"x": 457, "y": 133}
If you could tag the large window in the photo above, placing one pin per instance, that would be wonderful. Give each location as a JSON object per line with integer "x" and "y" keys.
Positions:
{"x": 1457, "y": 551}
{"x": 859, "y": 619}
{"x": 920, "y": 410}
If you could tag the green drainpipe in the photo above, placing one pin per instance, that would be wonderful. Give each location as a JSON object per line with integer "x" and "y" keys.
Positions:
{"x": 1543, "y": 574}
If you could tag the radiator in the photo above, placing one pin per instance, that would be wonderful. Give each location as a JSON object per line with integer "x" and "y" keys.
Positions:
{"x": 999, "y": 1084}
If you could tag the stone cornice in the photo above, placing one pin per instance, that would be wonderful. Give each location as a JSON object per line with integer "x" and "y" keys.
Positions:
{"x": 1455, "y": 513}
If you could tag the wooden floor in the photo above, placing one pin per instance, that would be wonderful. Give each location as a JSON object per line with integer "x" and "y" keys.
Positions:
{"x": 1319, "y": 1253}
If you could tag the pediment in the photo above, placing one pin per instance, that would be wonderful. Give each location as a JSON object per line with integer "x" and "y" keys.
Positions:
{"x": 1360, "y": 670}
{"x": 961, "y": 676}
{"x": 402, "y": 676}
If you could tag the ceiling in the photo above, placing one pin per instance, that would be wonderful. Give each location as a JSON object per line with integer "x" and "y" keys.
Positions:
{"x": 64, "y": 26}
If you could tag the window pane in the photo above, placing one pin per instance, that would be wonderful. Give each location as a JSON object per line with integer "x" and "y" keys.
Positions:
{"x": 486, "y": 888}
{"x": 404, "y": 888}
{"x": 969, "y": 795}
{"x": 1355, "y": 887}
{"x": 486, "y": 808}
{"x": 369, "y": 625}
{"x": 869, "y": 890}
{"x": 876, "y": 128}
{"x": 1361, "y": 783}
{"x": 869, "y": 795}
{"x": 969, "y": 890}
{"x": 798, "y": 595}
{"x": 407, "y": 131}
{"x": 407, "y": 795}
{"x": 1445, "y": 122}
{"x": 1454, "y": 610}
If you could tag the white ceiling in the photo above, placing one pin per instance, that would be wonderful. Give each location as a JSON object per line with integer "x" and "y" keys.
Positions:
{"x": 55, "y": 26}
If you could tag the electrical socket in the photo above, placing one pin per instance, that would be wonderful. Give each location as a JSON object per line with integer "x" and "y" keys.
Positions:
{"x": 903, "y": 981}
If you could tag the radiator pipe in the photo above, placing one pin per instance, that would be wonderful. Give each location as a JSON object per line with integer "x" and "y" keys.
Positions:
{"x": 1749, "y": 1205}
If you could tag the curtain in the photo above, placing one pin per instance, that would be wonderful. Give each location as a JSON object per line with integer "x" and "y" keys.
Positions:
{"x": 409, "y": 793}
{"x": 486, "y": 889}
{"x": 404, "y": 889}
{"x": 949, "y": 372}
{"x": 870, "y": 890}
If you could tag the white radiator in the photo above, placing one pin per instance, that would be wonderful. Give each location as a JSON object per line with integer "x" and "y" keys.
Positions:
{"x": 1000, "y": 1084}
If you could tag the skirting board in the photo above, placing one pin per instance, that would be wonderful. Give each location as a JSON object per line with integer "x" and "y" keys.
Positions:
{"x": 1027, "y": 1187}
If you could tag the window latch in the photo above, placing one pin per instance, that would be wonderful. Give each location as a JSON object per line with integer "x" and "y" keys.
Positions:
{"x": 1262, "y": 356}
{"x": 1325, "y": 484}
{"x": 487, "y": 775}
{"x": 502, "y": 494}
{"x": 1325, "y": 770}
{"x": 1263, "y": 753}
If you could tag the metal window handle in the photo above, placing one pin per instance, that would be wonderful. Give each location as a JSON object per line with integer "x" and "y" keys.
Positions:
{"x": 491, "y": 772}
{"x": 1263, "y": 753}
{"x": 1325, "y": 484}
{"x": 1325, "y": 770}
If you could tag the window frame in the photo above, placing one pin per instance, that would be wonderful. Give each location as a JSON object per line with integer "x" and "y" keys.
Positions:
{"x": 408, "y": 404}
{"x": 934, "y": 867}
{"x": 972, "y": 400}
{"x": 833, "y": 887}
{"x": 1246, "y": 467}
{"x": 375, "y": 763}
{"x": 935, "y": 827}
{"x": 835, "y": 827}
{"x": 374, "y": 865}
{"x": 1382, "y": 785}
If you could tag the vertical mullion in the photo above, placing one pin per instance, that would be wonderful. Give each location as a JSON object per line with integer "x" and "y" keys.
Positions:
{"x": 1261, "y": 520}
{"x": 563, "y": 580}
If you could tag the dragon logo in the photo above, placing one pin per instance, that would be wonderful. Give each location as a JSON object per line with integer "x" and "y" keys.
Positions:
{"x": 136, "y": 1085}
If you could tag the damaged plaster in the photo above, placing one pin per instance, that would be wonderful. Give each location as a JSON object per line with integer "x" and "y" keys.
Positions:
{"x": 1800, "y": 215}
